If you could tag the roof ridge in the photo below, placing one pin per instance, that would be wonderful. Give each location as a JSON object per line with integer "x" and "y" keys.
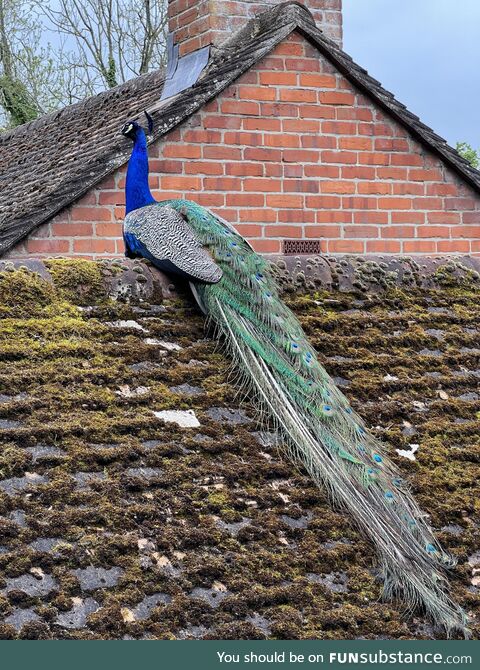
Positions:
{"x": 279, "y": 15}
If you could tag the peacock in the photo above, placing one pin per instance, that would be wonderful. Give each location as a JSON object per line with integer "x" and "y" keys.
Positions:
{"x": 235, "y": 288}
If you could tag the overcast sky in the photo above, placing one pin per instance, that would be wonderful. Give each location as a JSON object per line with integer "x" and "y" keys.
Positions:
{"x": 427, "y": 53}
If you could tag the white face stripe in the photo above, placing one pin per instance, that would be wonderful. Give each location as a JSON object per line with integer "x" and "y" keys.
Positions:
{"x": 128, "y": 128}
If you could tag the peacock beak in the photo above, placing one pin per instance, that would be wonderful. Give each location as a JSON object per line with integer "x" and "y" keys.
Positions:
{"x": 127, "y": 130}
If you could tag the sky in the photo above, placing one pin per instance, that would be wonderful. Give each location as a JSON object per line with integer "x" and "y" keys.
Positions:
{"x": 427, "y": 53}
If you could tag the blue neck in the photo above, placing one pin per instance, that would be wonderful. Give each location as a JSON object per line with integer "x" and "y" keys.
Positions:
{"x": 137, "y": 190}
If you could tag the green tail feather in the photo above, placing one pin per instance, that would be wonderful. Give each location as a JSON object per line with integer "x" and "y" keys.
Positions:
{"x": 319, "y": 429}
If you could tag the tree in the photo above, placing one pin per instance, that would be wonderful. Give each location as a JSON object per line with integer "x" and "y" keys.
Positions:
{"x": 97, "y": 44}
{"x": 470, "y": 154}
{"x": 15, "y": 98}
{"x": 114, "y": 40}
{"x": 35, "y": 78}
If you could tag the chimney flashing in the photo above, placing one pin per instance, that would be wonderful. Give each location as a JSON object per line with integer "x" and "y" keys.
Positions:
{"x": 182, "y": 72}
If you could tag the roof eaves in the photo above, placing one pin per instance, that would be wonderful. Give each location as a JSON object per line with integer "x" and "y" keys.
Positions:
{"x": 76, "y": 183}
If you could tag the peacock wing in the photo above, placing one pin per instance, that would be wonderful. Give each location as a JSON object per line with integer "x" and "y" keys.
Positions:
{"x": 162, "y": 234}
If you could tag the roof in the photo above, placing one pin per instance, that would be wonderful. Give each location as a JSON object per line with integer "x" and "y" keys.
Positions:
{"x": 115, "y": 524}
{"x": 49, "y": 163}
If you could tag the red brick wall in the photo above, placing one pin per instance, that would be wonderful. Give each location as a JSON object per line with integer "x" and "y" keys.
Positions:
{"x": 291, "y": 150}
{"x": 197, "y": 23}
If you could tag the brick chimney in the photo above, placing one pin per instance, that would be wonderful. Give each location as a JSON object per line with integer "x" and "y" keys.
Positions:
{"x": 197, "y": 23}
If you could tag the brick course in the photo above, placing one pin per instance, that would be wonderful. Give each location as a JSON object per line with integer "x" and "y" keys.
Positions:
{"x": 281, "y": 156}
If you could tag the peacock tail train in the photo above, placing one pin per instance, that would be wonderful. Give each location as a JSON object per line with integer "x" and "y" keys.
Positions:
{"x": 317, "y": 426}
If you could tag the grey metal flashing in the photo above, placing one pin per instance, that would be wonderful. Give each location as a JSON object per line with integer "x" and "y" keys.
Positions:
{"x": 182, "y": 73}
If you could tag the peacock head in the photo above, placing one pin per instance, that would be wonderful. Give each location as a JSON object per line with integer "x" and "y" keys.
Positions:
{"x": 132, "y": 128}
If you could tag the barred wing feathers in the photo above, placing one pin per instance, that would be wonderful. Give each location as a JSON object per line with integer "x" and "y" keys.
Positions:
{"x": 163, "y": 235}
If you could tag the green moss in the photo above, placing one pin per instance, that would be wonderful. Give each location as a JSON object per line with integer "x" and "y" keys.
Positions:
{"x": 24, "y": 294}
{"x": 455, "y": 275}
{"x": 80, "y": 281}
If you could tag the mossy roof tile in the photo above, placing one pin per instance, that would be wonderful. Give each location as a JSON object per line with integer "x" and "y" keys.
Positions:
{"x": 235, "y": 540}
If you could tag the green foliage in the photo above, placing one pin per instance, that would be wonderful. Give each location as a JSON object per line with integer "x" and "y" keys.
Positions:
{"x": 469, "y": 153}
{"x": 16, "y": 101}
{"x": 30, "y": 81}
